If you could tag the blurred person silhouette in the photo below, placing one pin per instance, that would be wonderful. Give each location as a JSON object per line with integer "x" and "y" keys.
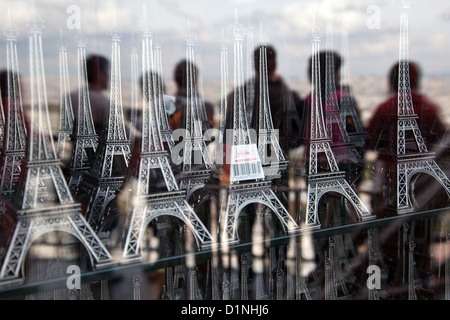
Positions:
{"x": 286, "y": 106}
{"x": 429, "y": 118}
{"x": 206, "y": 109}
{"x": 98, "y": 73}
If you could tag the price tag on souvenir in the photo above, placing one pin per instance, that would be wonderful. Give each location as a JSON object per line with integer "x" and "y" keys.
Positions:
{"x": 245, "y": 163}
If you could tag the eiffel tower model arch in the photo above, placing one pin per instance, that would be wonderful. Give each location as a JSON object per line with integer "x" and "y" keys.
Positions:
{"x": 244, "y": 181}
{"x": 83, "y": 136}
{"x": 106, "y": 176}
{"x": 149, "y": 155}
{"x": 323, "y": 174}
{"x": 43, "y": 202}
{"x": 406, "y": 153}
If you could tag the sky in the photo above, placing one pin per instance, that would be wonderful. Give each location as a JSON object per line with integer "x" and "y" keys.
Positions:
{"x": 372, "y": 26}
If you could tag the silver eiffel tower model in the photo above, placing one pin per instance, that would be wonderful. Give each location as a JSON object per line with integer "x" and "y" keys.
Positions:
{"x": 318, "y": 142}
{"x": 84, "y": 138}
{"x": 344, "y": 150}
{"x": 149, "y": 155}
{"x": 348, "y": 104}
{"x": 243, "y": 186}
{"x": 66, "y": 117}
{"x": 12, "y": 149}
{"x": 196, "y": 162}
{"x": 166, "y": 132}
{"x": 51, "y": 208}
{"x": 106, "y": 177}
{"x": 272, "y": 156}
{"x": 407, "y": 153}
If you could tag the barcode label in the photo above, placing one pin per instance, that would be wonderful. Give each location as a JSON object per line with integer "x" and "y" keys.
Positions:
{"x": 248, "y": 169}
{"x": 245, "y": 163}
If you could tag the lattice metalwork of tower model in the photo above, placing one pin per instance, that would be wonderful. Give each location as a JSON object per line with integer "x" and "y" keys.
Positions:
{"x": 105, "y": 179}
{"x": 149, "y": 155}
{"x": 407, "y": 153}
{"x": 65, "y": 105}
{"x": 196, "y": 163}
{"x": 134, "y": 92}
{"x": 84, "y": 138}
{"x": 331, "y": 179}
{"x": 348, "y": 106}
{"x": 166, "y": 132}
{"x": 43, "y": 202}
{"x": 240, "y": 156}
{"x": 272, "y": 156}
{"x": 12, "y": 150}
{"x": 343, "y": 149}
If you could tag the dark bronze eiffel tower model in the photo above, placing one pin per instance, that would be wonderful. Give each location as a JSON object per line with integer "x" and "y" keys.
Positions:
{"x": 150, "y": 158}
{"x": 106, "y": 177}
{"x": 43, "y": 202}
{"x": 84, "y": 138}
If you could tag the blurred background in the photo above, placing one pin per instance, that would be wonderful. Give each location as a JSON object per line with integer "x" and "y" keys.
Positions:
{"x": 372, "y": 27}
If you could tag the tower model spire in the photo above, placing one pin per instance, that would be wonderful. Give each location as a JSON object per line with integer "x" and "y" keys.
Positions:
{"x": 66, "y": 117}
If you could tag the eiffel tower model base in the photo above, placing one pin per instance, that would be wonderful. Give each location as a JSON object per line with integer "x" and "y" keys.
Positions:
{"x": 240, "y": 195}
{"x": 151, "y": 206}
{"x": 402, "y": 169}
{"x": 321, "y": 183}
{"x": 33, "y": 223}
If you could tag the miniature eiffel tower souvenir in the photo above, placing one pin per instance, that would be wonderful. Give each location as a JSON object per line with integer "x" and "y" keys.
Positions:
{"x": 150, "y": 158}
{"x": 43, "y": 202}
{"x": 406, "y": 153}
{"x": 318, "y": 143}
{"x": 242, "y": 173}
